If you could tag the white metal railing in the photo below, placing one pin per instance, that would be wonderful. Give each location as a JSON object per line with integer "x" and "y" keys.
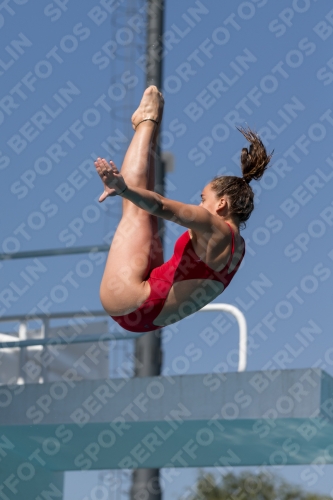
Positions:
{"x": 228, "y": 308}
{"x": 45, "y": 318}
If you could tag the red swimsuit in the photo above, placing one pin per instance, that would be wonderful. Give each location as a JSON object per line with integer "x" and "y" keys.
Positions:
{"x": 184, "y": 265}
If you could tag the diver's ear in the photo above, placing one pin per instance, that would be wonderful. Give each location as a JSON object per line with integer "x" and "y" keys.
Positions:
{"x": 223, "y": 203}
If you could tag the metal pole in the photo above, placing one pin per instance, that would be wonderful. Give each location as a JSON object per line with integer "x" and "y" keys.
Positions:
{"x": 80, "y": 339}
{"x": 84, "y": 313}
{"x": 148, "y": 352}
{"x": 52, "y": 252}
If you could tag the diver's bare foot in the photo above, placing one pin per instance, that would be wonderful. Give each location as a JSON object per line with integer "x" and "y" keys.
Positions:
{"x": 150, "y": 108}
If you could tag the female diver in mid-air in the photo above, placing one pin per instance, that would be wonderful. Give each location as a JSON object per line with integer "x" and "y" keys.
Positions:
{"x": 139, "y": 290}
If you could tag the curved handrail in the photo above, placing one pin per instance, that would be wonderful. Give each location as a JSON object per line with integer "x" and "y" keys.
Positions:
{"x": 228, "y": 308}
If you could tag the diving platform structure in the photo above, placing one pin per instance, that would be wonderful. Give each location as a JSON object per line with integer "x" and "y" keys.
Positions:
{"x": 207, "y": 420}
{"x": 67, "y": 422}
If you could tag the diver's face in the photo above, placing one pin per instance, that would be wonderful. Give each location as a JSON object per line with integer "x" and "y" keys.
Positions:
{"x": 210, "y": 201}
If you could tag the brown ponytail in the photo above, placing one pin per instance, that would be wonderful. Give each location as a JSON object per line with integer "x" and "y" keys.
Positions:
{"x": 254, "y": 162}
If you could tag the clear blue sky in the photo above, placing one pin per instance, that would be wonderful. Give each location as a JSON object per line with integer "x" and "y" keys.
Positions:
{"x": 69, "y": 80}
